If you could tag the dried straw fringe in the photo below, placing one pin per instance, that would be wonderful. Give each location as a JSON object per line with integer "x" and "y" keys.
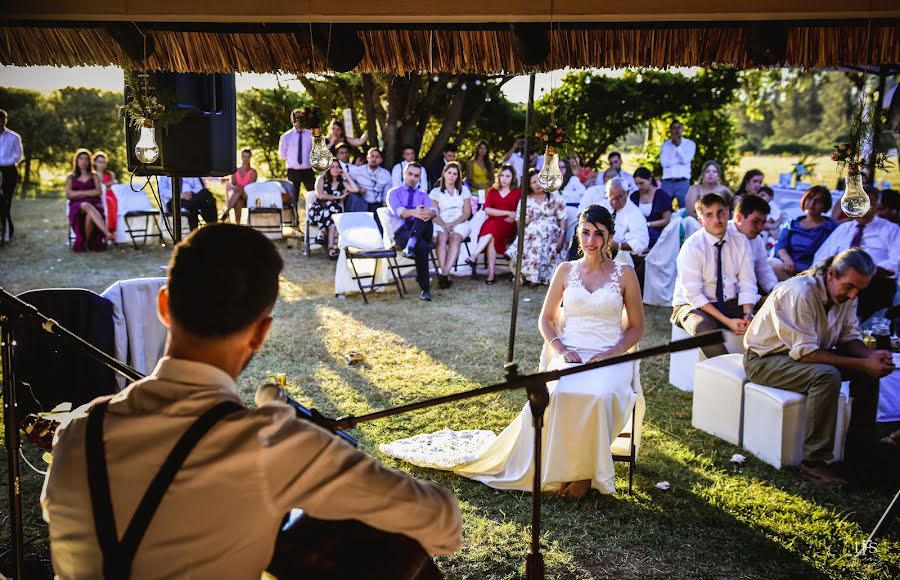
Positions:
{"x": 454, "y": 51}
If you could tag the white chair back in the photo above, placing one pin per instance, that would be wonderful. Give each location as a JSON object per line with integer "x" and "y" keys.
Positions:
{"x": 267, "y": 192}
{"x": 357, "y": 229}
{"x": 660, "y": 265}
{"x": 130, "y": 200}
{"x": 387, "y": 227}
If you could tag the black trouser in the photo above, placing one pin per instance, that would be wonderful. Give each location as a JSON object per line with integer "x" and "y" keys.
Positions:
{"x": 307, "y": 177}
{"x": 877, "y": 295}
{"x": 10, "y": 180}
{"x": 697, "y": 322}
{"x": 423, "y": 231}
{"x": 200, "y": 203}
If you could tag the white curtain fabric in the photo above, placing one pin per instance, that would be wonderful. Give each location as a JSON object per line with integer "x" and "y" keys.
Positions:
{"x": 660, "y": 267}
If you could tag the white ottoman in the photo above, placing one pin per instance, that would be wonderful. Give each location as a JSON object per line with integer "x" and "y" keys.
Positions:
{"x": 719, "y": 397}
{"x": 681, "y": 364}
{"x": 775, "y": 424}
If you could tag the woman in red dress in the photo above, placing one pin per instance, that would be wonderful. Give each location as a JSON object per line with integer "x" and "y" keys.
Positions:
{"x": 500, "y": 205}
{"x": 107, "y": 179}
{"x": 83, "y": 190}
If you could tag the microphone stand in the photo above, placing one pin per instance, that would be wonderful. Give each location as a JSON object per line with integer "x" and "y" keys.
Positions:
{"x": 535, "y": 386}
{"x": 13, "y": 308}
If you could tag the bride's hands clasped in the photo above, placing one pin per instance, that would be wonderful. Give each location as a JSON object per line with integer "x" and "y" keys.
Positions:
{"x": 570, "y": 356}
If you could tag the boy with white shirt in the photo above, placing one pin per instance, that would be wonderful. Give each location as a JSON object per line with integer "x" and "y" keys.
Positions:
{"x": 750, "y": 215}
{"x": 716, "y": 285}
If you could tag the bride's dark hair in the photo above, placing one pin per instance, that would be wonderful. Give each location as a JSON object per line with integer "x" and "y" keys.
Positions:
{"x": 595, "y": 215}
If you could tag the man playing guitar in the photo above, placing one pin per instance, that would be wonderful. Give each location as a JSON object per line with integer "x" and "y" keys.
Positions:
{"x": 232, "y": 472}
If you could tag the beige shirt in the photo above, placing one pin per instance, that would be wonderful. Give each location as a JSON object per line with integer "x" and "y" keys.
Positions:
{"x": 220, "y": 517}
{"x": 793, "y": 320}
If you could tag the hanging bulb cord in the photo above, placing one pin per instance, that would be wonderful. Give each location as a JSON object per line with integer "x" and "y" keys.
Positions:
{"x": 154, "y": 193}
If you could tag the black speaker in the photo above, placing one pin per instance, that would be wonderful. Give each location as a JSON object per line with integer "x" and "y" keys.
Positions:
{"x": 204, "y": 143}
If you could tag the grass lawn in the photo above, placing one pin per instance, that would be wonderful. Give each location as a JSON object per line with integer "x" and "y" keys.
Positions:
{"x": 717, "y": 521}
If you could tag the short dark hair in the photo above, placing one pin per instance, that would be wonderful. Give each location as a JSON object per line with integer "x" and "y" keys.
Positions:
{"x": 298, "y": 116}
{"x": 342, "y": 145}
{"x": 748, "y": 204}
{"x": 373, "y": 149}
{"x": 613, "y": 154}
{"x": 221, "y": 279}
{"x": 811, "y": 193}
{"x": 413, "y": 164}
{"x": 710, "y": 199}
{"x": 3, "y": 114}
{"x": 448, "y": 148}
{"x": 767, "y": 190}
{"x": 406, "y": 146}
{"x": 247, "y": 151}
{"x": 675, "y": 122}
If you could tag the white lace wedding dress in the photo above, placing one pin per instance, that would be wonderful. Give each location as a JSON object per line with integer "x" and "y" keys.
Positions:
{"x": 587, "y": 410}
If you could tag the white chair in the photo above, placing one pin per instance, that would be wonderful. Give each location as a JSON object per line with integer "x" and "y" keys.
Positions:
{"x": 264, "y": 207}
{"x": 363, "y": 253}
{"x": 775, "y": 424}
{"x": 660, "y": 267}
{"x": 405, "y": 267}
{"x": 682, "y": 364}
{"x": 136, "y": 215}
{"x": 718, "y": 406}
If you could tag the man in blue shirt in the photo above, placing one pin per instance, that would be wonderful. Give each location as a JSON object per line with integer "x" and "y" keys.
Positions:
{"x": 373, "y": 181}
{"x": 195, "y": 198}
{"x": 411, "y": 214}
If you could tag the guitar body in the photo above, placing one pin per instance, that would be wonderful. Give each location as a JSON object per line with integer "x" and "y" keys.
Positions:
{"x": 312, "y": 549}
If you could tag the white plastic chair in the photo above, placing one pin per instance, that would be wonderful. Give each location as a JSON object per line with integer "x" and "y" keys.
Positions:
{"x": 264, "y": 207}
{"x": 134, "y": 206}
{"x": 362, "y": 255}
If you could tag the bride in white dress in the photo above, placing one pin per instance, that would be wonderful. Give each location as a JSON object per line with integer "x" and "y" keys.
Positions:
{"x": 587, "y": 410}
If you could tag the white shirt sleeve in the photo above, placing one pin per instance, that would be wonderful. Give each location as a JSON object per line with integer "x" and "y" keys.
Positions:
{"x": 396, "y": 175}
{"x": 690, "y": 275}
{"x": 746, "y": 276}
{"x": 667, "y": 156}
{"x": 636, "y": 235}
{"x": 283, "y": 145}
{"x": 765, "y": 275}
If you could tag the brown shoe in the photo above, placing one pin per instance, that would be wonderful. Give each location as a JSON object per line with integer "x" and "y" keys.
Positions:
{"x": 821, "y": 474}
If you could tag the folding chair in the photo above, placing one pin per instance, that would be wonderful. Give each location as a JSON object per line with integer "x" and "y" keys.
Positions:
{"x": 291, "y": 208}
{"x": 264, "y": 207}
{"x": 360, "y": 240}
{"x": 68, "y": 201}
{"x": 384, "y": 217}
{"x": 135, "y": 206}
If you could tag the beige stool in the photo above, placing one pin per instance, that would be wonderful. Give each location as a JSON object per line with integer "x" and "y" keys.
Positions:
{"x": 681, "y": 364}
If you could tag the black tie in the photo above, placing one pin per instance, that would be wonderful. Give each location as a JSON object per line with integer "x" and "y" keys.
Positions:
{"x": 720, "y": 283}
{"x": 300, "y": 156}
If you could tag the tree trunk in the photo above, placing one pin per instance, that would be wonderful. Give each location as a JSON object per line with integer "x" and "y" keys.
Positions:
{"x": 26, "y": 179}
{"x": 448, "y": 128}
{"x": 347, "y": 92}
{"x": 369, "y": 99}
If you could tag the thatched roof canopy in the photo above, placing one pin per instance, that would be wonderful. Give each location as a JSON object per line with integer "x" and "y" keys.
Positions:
{"x": 471, "y": 36}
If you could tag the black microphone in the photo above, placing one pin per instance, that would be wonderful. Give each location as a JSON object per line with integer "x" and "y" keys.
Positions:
{"x": 270, "y": 393}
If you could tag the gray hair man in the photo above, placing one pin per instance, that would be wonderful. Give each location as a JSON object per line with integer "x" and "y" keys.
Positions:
{"x": 806, "y": 339}
{"x": 631, "y": 227}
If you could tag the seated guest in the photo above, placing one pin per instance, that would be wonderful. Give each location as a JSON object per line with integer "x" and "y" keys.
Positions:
{"x": 750, "y": 184}
{"x": 797, "y": 245}
{"x": 500, "y": 227}
{"x": 217, "y": 304}
{"x": 881, "y": 240}
{"x": 631, "y": 228}
{"x": 709, "y": 182}
{"x": 749, "y": 220}
{"x": 448, "y": 154}
{"x": 331, "y": 189}
{"x": 715, "y": 286}
{"x": 337, "y": 135}
{"x": 775, "y": 219}
{"x": 195, "y": 199}
{"x": 572, "y": 192}
{"x": 480, "y": 169}
{"x": 107, "y": 180}
{"x": 889, "y": 206}
{"x": 409, "y": 155}
{"x": 373, "y": 180}
{"x": 585, "y": 174}
{"x": 545, "y": 231}
{"x": 655, "y": 204}
{"x": 236, "y": 197}
{"x": 412, "y": 215}
{"x": 806, "y": 339}
{"x": 451, "y": 224}
{"x": 343, "y": 155}
{"x": 615, "y": 163}
{"x": 83, "y": 190}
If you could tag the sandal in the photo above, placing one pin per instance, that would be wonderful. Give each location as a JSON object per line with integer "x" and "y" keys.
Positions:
{"x": 489, "y": 281}
{"x": 333, "y": 253}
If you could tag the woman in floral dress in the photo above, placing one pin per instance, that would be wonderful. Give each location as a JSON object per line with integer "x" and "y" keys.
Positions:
{"x": 545, "y": 229}
{"x": 331, "y": 189}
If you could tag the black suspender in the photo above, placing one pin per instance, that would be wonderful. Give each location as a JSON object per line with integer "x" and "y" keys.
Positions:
{"x": 118, "y": 556}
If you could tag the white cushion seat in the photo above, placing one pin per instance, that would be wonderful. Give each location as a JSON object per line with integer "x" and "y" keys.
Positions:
{"x": 719, "y": 397}
{"x": 682, "y": 363}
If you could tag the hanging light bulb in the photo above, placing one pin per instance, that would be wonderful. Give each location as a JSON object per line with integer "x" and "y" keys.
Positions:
{"x": 477, "y": 82}
{"x": 146, "y": 149}
{"x": 463, "y": 86}
{"x": 436, "y": 78}
{"x": 320, "y": 157}
{"x": 550, "y": 178}
{"x": 855, "y": 201}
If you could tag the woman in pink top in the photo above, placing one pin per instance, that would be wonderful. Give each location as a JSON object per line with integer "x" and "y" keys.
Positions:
{"x": 234, "y": 190}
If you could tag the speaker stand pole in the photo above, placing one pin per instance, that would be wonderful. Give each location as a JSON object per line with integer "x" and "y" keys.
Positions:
{"x": 11, "y": 440}
{"x": 176, "y": 208}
